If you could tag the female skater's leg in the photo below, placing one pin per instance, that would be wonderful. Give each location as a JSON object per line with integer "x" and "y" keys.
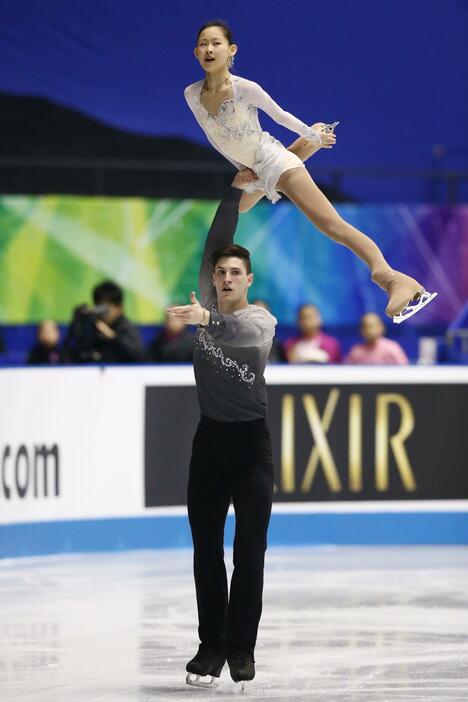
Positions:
{"x": 300, "y": 188}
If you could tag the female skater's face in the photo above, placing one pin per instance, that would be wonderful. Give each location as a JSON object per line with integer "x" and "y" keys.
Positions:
{"x": 213, "y": 50}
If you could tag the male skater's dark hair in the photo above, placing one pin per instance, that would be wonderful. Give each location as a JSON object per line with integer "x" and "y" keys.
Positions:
{"x": 232, "y": 250}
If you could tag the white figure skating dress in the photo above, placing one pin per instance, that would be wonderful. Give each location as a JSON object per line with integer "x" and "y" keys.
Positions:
{"x": 236, "y": 133}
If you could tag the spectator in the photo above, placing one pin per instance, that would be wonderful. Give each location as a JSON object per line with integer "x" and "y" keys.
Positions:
{"x": 276, "y": 353}
{"x": 46, "y": 350}
{"x": 376, "y": 349}
{"x": 2, "y": 343}
{"x": 103, "y": 334}
{"x": 312, "y": 345}
{"x": 173, "y": 344}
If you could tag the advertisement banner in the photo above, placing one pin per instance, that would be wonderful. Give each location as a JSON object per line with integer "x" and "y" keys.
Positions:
{"x": 101, "y": 443}
{"x": 331, "y": 442}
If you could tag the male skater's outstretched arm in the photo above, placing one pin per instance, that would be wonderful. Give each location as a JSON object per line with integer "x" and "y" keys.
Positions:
{"x": 218, "y": 285}
{"x": 221, "y": 233}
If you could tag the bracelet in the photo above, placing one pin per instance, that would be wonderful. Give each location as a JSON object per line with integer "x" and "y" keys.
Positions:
{"x": 205, "y": 318}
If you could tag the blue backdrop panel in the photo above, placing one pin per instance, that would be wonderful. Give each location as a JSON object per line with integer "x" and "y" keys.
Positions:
{"x": 394, "y": 73}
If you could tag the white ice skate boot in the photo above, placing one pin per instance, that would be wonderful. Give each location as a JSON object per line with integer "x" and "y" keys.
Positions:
{"x": 406, "y": 295}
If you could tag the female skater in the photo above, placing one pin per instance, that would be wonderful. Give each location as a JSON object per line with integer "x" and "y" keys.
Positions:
{"x": 225, "y": 106}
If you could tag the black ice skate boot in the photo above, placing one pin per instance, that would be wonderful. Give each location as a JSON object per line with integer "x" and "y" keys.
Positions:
{"x": 241, "y": 667}
{"x": 206, "y": 664}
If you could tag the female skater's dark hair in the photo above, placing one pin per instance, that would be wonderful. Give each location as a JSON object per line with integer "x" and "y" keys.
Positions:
{"x": 218, "y": 23}
{"x": 232, "y": 250}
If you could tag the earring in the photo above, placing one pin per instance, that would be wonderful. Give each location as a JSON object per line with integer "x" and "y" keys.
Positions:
{"x": 232, "y": 62}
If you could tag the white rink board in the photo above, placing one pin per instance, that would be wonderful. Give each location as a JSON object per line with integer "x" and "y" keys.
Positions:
{"x": 95, "y": 416}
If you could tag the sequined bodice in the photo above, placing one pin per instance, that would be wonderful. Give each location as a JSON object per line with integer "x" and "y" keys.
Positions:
{"x": 235, "y": 129}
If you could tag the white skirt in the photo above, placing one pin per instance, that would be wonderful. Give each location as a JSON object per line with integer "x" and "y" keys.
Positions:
{"x": 272, "y": 159}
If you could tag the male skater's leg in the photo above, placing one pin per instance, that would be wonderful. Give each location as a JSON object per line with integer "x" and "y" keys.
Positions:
{"x": 252, "y": 492}
{"x": 208, "y": 503}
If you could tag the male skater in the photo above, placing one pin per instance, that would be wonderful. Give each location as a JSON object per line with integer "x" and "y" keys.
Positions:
{"x": 231, "y": 453}
{"x": 231, "y": 456}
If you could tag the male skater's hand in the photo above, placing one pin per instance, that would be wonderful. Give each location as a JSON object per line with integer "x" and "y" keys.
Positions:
{"x": 189, "y": 314}
{"x": 247, "y": 175}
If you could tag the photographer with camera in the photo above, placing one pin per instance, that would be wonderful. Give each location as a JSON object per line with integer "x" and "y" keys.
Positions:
{"x": 102, "y": 334}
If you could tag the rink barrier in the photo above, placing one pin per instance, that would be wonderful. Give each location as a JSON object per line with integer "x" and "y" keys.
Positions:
{"x": 96, "y": 458}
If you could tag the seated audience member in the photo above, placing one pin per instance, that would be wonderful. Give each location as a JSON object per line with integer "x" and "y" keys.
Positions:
{"x": 312, "y": 345}
{"x": 376, "y": 349}
{"x": 46, "y": 350}
{"x": 173, "y": 344}
{"x": 276, "y": 353}
{"x": 102, "y": 334}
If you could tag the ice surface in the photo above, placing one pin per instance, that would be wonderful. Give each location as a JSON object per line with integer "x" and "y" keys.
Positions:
{"x": 345, "y": 623}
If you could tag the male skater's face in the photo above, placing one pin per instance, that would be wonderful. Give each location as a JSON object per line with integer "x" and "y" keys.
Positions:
{"x": 231, "y": 279}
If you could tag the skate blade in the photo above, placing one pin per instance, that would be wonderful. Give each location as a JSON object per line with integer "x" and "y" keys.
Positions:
{"x": 411, "y": 308}
{"x": 195, "y": 680}
{"x": 242, "y": 685}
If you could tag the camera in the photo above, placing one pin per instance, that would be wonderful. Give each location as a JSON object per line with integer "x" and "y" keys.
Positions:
{"x": 93, "y": 313}
{"x": 81, "y": 341}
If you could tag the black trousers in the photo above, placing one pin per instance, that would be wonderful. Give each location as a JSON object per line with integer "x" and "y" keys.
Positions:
{"x": 230, "y": 461}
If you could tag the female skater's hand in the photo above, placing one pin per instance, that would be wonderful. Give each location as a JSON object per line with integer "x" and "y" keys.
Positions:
{"x": 245, "y": 176}
{"x": 189, "y": 314}
{"x": 328, "y": 138}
